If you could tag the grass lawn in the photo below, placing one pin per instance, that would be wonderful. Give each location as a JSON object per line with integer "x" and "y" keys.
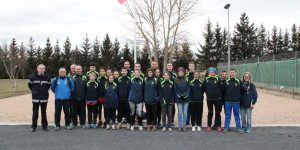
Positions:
{"x": 6, "y": 89}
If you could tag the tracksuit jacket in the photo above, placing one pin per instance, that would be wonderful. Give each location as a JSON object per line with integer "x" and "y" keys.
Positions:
{"x": 233, "y": 90}
{"x": 182, "y": 90}
{"x": 91, "y": 92}
{"x": 190, "y": 76}
{"x": 196, "y": 90}
{"x": 212, "y": 88}
{"x": 167, "y": 92}
{"x": 101, "y": 81}
{"x": 63, "y": 88}
{"x": 150, "y": 90}
{"x": 223, "y": 89}
{"x": 111, "y": 98}
{"x": 124, "y": 84}
{"x": 249, "y": 94}
{"x": 39, "y": 86}
{"x": 79, "y": 87}
{"x": 136, "y": 90}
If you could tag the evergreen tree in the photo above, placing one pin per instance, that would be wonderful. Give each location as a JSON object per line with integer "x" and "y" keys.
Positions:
{"x": 261, "y": 42}
{"x": 127, "y": 55}
{"x": 77, "y": 56}
{"x": 245, "y": 34}
{"x": 86, "y": 46}
{"x": 46, "y": 56}
{"x": 116, "y": 54}
{"x": 66, "y": 57}
{"x": 280, "y": 44}
{"x": 56, "y": 61}
{"x": 204, "y": 53}
{"x": 224, "y": 49}
{"x": 176, "y": 57}
{"x": 218, "y": 43}
{"x": 96, "y": 51}
{"x": 294, "y": 39}
{"x": 144, "y": 58}
{"x": 186, "y": 54}
{"x": 106, "y": 52}
{"x": 39, "y": 56}
{"x": 31, "y": 60}
{"x": 22, "y": 60}
{"x": 298, "y": 47}
{"x": 274, "y": 41}
{"x": 286, "y": 41}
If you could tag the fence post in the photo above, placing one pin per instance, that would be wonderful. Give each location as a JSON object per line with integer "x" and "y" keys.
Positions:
{"x": 295, "y": 74}
{"x": 273, "y": 70}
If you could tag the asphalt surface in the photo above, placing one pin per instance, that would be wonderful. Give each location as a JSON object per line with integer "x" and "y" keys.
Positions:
{"x": 261, "y": 138}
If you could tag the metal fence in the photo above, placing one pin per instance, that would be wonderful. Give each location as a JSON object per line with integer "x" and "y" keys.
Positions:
{"x": 279, "y": 72}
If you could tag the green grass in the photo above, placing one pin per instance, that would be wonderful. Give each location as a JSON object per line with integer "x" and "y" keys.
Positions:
{"x": 6, "y": 89}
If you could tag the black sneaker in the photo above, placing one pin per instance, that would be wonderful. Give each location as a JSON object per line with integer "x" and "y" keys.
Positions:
{"x": 46, "y": 129}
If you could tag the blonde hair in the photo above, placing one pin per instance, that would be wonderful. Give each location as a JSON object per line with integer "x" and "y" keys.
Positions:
{"x": 250, "y": 76}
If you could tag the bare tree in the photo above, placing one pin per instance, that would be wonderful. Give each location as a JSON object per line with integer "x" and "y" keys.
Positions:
{"x": 161, "y": 20}
{"x": 10, "y": 59}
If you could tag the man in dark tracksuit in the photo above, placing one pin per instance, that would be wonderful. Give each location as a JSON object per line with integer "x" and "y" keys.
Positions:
{"x": 173, "y": 77}
{"x": 39, "y": 84}
{"x": 78, "y": 100}
{"x": 71, "y": 75}
{"x": 212, "y": 89}
{"x": 101, "y": 97}
{"x": 223, "y": 87}
{"x": 196, "y": 105}
{"x": 190, "y": 76}
{"x": 124, "y": 83}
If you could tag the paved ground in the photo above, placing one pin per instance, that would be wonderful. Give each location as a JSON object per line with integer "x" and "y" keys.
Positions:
{"x": 19, "y": 137}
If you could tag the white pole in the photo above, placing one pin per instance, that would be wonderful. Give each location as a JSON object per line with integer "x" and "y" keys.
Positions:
{"x": 228, "y": 41}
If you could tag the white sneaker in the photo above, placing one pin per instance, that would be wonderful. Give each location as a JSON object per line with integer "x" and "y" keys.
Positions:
{"x": 141, "y": 128}
{"x": 118, "y": 126}
{"x": 128, "y": 126}
{"x": 198, "y": 128}
{"x": 132, "y": 128}
{"x": 113, "y": 127}
{"x": 170, "y": 129}
{"x": 107, "y": 127}
{"x": 164, "y": 129}
{"x": 193, "y": 128}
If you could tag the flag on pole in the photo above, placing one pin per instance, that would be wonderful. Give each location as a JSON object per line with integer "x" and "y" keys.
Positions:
{"x": 121, "y": 1}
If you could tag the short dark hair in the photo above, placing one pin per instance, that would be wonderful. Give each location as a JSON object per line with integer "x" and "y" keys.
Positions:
{"x": 232, "y": 69}
{"x": 103, "y": 68}
{"x": 92, "y": 64}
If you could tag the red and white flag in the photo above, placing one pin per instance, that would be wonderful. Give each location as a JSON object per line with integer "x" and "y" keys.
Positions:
{"x": 121, "y": 1}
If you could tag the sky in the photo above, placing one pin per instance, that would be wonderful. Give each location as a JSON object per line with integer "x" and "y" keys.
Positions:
{"x": 59, "y": 19}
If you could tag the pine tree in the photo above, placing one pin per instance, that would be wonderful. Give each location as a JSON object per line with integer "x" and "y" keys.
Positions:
{"x": 56, "y": 61}
{"x": 218, "y": 43}
{"x": 274, "y": 41}
{"x": 31, "y": 60}
{"x": 176, "y": 57}
{"x": 298, "y": 39}
{"x": 46, "y": 56}
{"x": 106, "y": 52}
{"x": 186, "y": 54}
{"x": 22, "y": 60}
{"x": 286, "y": 41}
{"x": 39, "y": 56}
{"x": 261, "y": 41}
{"x": 116, "y": 54}
{"x": 280, "y": 44}
{"x": 76, "y": 56}
{"x": 294, "y": 40}
{"x": 66, "y": 59}
{"x": 144, "y": 58}
{"x": 126, "y": 54}
{"x": 204, "y": 53}
{"x": 96, "y": 52}
{"x": 224, "y": 49}
{"x": 245, "y": 38}
{"x": 86, "y": 46}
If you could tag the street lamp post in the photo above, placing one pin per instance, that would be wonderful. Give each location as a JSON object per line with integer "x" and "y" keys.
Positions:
{"x": 228, "y": 37}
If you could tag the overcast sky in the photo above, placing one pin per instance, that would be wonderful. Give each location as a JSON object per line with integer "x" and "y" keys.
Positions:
{"x": 58, "y": 19}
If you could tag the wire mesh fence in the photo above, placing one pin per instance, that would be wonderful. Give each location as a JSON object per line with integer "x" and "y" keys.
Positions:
{"x": 280, "y": 72}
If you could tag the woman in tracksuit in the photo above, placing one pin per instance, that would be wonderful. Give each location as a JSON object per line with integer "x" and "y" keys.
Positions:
{"x": 182, "y": 91}
{"x": 167, "y": 99}
{"x": 150, "y": 98}
{"x": 111, "y": 102}
{"x": 91, "y": 96}
{"x": 196, "y": 105}
{"x": 159, "y": 78}
{"x": 249, "y": 98}
{"x": 136, "y": 100}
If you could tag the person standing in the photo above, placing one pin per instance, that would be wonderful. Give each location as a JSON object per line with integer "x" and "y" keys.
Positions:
{"x": 111, "y": 103}
{"x": 101, "y": 93}
{"x": 62, "y": 87}
{"x": 39, "y": 84}
{"x": 78, "y": 101}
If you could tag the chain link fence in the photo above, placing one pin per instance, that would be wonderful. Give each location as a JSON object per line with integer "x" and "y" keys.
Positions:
{"x": 278, "y": 74}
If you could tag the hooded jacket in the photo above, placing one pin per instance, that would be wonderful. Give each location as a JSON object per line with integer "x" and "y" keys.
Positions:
{"x": 249, "y": 94}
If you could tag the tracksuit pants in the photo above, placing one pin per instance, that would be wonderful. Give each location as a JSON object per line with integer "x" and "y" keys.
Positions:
{"x": 235, "y": 107}
{"x": 59, "y": 105}
{"x": 78, "y": 109}
{"x": 151, "y": 110}
{"x": 123, "y": 110}
{"x": 214, "y": 105}
{"x": 166, "y": 111}
{"x": 110, "y": 114}
{"x": 136, "y": 109}
{"x": 92, "y": 114}
{"x": 196, "y": 110}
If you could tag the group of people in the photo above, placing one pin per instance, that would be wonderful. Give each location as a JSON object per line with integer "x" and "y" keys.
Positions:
{"x": 123, "y": 95}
